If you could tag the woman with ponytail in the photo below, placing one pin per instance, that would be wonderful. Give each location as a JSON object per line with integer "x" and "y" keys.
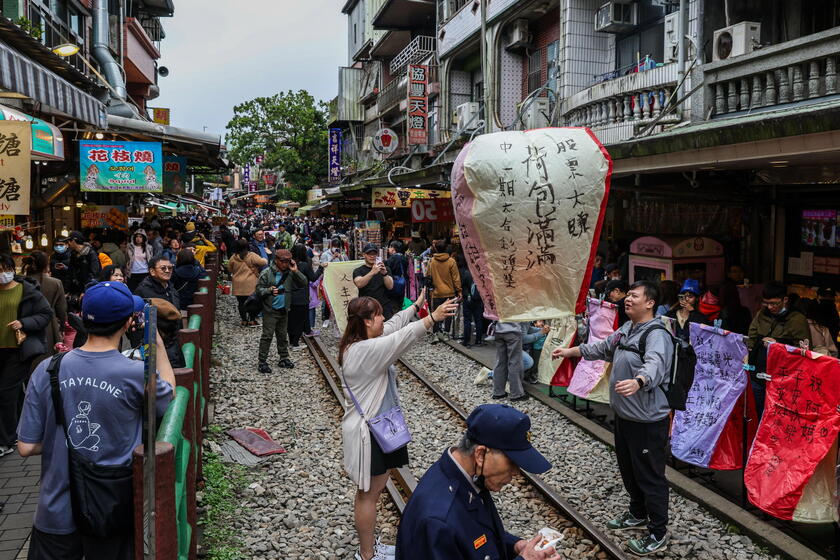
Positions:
{"x": 367, "y": 349}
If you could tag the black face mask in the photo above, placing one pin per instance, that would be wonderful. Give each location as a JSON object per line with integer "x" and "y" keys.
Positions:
{"x": 478, "y": 478}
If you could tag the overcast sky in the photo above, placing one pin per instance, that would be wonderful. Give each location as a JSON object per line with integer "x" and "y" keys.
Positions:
{"x": 222, "y": 52}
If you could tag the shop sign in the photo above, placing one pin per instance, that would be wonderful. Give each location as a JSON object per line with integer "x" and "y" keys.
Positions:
{"x": 15, "y": 155}
{"x": 99, "y": 216}
{"x": 107, "y": 166}
{"x": 386, "y": 141}
{"x": 7, "y": 220}
{"x": 174, "y": 174}
{"x": 431, "y": 210}
{"x": 47, "y": 141}
{"x": 335, "y": 155}
{"x": 160, "y": 115}
{"x": 392, "y": 197}
{"x": 418, "y": 104}
{"x": 314, "y": 195}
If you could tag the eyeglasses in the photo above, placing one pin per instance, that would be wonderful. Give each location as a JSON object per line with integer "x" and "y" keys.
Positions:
{"x": 166, "y": 268}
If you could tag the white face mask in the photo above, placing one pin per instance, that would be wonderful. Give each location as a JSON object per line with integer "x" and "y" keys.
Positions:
{"x": 6, "y": 277}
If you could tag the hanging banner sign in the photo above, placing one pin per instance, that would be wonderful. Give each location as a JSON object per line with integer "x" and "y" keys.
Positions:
{"x": 418, "y": 104}
{"x": 340, "y": 289}
{"x": 107, "y": 166}
{"x": 386, "y": 141}
{"x": 99, "y": 216}
{"x": 335, "y": 155}
{"x": 799, "y": 427}
{"x": 530, "y": 207}
{"x": 719, "y": 381}
{"x": 588, "y": 374}
{"x": 392, "y": 197}
{"x": 432, "y": 210}
{"x": 15, "y": 166}
{"x": 174, "y": 174}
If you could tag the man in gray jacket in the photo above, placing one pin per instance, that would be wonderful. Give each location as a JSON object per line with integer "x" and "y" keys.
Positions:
{"x": 637, "y": 396}
{"x": 275, "y": 287}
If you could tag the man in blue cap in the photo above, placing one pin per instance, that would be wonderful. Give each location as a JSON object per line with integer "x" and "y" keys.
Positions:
{"x": 101, "y": 392}
{"x": 451, "y": 514}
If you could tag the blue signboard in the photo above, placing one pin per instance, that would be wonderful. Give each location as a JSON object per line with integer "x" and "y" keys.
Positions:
{"x": 114, "y": 166}
{"x": 335, "y": 155}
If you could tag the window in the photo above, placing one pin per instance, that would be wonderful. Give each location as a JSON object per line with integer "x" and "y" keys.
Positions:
{"x": 551, "y": 65}
{"x": 535, "y": 70}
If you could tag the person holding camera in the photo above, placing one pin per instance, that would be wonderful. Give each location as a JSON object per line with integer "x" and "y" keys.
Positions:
{"x": 368, "y": 347}
{"x": 275, "y": 286}
{"x": 374, "y": 279}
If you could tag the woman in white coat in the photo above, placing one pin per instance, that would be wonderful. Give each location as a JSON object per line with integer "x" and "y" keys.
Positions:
{"x": 368, "y": 348}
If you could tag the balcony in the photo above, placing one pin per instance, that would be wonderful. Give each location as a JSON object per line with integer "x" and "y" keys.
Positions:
{"x": 466, "y": 22}
{"x": 615, "y": 110}
{"x": 140, "y": 54}
{"x": 419, "y": 48}
{"x": 392, "y": 94}
{"x": 346, "y": 107}
{"x": 405, "y": 14}
{"x": 793, "y": 73}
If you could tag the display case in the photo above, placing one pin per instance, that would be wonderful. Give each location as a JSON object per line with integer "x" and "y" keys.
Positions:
{"x": 676, "y": 258}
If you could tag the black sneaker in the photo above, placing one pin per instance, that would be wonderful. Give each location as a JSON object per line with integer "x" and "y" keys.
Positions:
{"x": 625, "y": 521}
{"x": 286, "y": 363}
{"x": 647, "y": 545}
{"x": 499, "y": 396}
{"x": 523, "y": 397}
{"x": 263, "y": 368}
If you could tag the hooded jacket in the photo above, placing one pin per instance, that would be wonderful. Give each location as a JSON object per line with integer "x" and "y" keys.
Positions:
{"x": 129, "y": 251}
{"x": 185, "y": 278}
{"x": 84, "y": 268}
{"x": 446, "y": 279}
{"x": 788, "y": 327}
{"x": 118, "y": 257}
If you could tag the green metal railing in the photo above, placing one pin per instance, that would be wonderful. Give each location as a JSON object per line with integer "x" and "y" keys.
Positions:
{"x": 171, "y": 431}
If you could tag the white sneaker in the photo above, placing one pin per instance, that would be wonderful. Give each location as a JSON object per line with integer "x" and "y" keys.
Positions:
{"x": 6, "y": 450}
{"x": 384, "y": 549}
{"x": 376, "y": 556}
{"x": 483, "y": 375}
{"x": 325, "y": 325}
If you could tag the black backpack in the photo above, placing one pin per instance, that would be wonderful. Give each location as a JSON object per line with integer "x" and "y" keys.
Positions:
{"x": 681, "y": 370}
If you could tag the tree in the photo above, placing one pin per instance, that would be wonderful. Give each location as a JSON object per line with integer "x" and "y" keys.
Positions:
{"x": 290, "y": 129}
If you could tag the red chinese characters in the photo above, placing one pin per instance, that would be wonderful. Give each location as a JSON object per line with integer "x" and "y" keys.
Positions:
{"x": 418, "y": 104}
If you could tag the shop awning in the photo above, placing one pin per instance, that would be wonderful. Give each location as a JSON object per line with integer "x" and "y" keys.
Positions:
{"x": 21, "y": 75}
{"x": 321, "y": 205}
{"x": 47, "y": 140}
{"x": 303, "y": 210}
{"x": 199, "y": 147}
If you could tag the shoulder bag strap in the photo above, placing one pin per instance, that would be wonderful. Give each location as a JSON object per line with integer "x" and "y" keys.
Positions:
{"x": 353, "y": 398}
{"x": 52, "y": 369}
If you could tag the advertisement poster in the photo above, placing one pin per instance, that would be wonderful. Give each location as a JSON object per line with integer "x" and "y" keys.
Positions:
{"x": 819, "y": 228}
{"x": 335, "y": 155}
{"x": 15, "y": 153}
{"x": 106, "y": 166}
{"x": 431, "y": 210}
{"x": 174, "y": 174}
{"x": 99, "y": 216}
{"x": 392, "y": 197}
{"x": 418, "y": 104}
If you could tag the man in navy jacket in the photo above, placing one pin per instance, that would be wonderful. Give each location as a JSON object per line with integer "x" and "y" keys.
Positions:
{"x": 451, "y": 514}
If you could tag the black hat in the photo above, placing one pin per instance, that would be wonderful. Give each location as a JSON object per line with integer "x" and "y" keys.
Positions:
{"x": 370, "y": 248}
{"x": 74, "y": 236}
{"x": 505, "y": 428}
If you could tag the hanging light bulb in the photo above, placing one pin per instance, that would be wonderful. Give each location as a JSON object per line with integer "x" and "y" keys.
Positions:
{"x": 66, "y": 208}
{"x": 44, "y": 240}
{"x": 79, "y": 203}
{"x": 64, "y": 231}
{"x": 29, "y": 244}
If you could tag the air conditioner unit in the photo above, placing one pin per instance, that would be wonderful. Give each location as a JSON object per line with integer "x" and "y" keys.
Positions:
{"x": 671, "y": 44}
{"x": 617, "y": 16}
{"x": 466, "y": 115}
{"x": 736, "y": 40}
{"x": 537, "y": 114}
{"x": 520, "y": 36}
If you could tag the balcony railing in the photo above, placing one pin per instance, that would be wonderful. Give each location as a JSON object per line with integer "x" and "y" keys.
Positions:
{"x": 795, "y": 71}
{"x": 416, "y": 50}
{"x": 392, "y": 93}
{"x": 615, "y": 109}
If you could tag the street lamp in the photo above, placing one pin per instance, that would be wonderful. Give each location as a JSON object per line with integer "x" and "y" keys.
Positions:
{"x": 69, "y": 49}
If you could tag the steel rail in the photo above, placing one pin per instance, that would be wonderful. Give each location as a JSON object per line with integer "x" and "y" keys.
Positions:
{"x": 609, "y": 546}
{"x": 402, "y": 482}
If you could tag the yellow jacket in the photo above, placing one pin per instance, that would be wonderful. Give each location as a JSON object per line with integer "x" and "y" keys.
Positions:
{"x": 202, "y": 250}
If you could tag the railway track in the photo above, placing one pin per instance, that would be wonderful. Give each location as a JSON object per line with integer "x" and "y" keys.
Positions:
{"x": 403, "y": 482}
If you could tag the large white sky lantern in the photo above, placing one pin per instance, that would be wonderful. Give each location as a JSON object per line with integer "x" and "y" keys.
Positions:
{"x": 529, "y": 207}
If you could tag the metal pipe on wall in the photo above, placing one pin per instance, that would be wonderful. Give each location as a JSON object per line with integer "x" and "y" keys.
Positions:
{"x": 682, "y": 22}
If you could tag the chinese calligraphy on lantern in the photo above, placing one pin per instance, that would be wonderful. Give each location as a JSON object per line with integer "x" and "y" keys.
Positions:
{"x": 340, "y": 289}
{"x": 532, "y": 204}
{"x": 15, "y": 162}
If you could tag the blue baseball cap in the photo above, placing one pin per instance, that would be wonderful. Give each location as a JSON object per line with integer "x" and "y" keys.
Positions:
{"x": 692, "y": 286}
{"x": 109, "y": 302}
{"x": 502, "y": 427}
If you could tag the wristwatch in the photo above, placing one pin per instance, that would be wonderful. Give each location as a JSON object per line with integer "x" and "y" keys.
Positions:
{"x": 641, "y": 381}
